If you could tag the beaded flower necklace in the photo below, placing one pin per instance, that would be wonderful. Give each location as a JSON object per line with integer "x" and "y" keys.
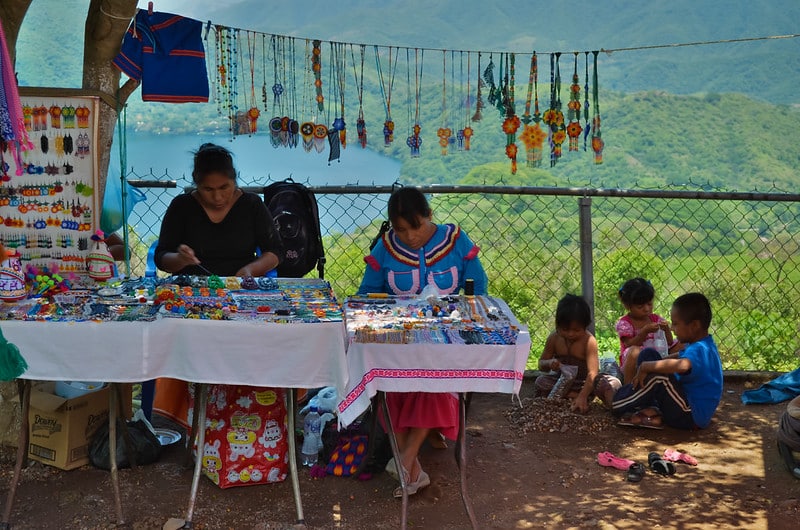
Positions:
{"x": 574, "y": 128}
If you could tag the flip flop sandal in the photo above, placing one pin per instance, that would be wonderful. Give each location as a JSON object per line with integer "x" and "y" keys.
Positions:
{"x": 635, "y": 472}
{"x": 626, "y": 420}
{"x": 648, "y": 422}
{"x": 609, "y": 460}
{"x": 659, "y": 465}
{"x": 673, "y": 455}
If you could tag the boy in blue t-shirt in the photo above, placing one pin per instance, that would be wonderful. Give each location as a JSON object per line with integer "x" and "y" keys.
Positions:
{"x": 684, "y": 389}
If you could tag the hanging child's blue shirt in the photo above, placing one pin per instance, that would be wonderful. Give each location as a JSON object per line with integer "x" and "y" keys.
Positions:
{"x": 446, "y": 260}
{"x": 165, "y": 52}
{"x": 703, "y": 383}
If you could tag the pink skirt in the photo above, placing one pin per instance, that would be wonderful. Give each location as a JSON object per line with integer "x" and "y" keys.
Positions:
{"x": 425, "y": 410}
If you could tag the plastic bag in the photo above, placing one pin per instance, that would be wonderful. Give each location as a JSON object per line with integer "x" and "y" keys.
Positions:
{"x": 564, "y": 383}
{"x": 146, "y": 447}
{"x": 660, "y": 343}
{"x": 111, "y": 218}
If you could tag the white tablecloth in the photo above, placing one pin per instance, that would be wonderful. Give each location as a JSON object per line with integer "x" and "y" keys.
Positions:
{"x": 306, "y": 355}
{"x": 431, "y": 368}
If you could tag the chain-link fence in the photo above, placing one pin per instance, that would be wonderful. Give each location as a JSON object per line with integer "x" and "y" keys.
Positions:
{"x": 741, "y": 249}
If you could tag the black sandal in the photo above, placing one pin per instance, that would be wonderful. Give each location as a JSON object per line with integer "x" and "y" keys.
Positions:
{"x": 635, "y": 472}
{"x": 659, "y": 465}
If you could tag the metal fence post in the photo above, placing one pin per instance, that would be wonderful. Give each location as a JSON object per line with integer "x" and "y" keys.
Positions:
{"x": 587, "y": 270}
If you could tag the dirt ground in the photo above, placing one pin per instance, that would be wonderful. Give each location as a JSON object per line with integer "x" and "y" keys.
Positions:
{"x": 516, "y": 481}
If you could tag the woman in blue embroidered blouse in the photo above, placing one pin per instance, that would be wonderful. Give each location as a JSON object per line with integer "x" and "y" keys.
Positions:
{"x": 416, "y": 252}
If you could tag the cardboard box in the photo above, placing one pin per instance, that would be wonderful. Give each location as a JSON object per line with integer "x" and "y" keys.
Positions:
{"x": 60, "y": 429}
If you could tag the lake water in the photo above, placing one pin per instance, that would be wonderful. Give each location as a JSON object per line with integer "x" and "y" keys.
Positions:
{"x": 169, "y": 157}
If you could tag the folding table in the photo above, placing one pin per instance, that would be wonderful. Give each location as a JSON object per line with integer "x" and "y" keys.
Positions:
{"x": 404, "y": 362}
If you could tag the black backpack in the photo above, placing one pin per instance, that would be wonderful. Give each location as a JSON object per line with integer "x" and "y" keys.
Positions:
{"x": 294, "y": 210}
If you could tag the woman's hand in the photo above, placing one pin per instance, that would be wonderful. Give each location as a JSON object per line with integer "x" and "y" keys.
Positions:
{"x": 244, "y": 272}
{"x": 555, "y": 365}
{"x": 664, "y": 325}
{"x": 186, "y": 254}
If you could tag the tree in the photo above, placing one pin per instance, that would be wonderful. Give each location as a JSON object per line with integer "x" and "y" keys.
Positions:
{"x": 106, "y": 23}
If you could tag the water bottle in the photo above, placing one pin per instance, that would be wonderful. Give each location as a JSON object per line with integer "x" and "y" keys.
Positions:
{"x": 312, "y": 439}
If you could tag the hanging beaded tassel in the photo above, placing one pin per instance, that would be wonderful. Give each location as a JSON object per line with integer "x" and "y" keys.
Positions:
{"x": 414, "y": 141}
{"x": 361, "y": 124}
{"x": 574, "y": 128}
{"x": 597, "y": 140}
{"x": 512, "y": 122}
{"x": 554, "y": 117}
{"x": 444, "y": 132}
{"x": 586, "y": 127}
{"x": 532, "y": 135}
{"x": 478, "y": 97}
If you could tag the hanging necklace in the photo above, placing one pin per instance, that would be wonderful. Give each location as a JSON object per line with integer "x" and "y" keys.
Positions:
{"x": 467, "y": 132}
{"x": 512, "y": 122}
{"x": 307, "y": 127}
{"x": 276, "y": 129}
{"x": 488, "y": 77}
{"x": 586, "y": 126}
{"x": 361, "y": 125}
{"x": 334, "y": 137}
{"x": 444, "y": 132}
{"x": 233, "y": 78}
{"x": 532, "y": 135}
{"x": 294, "y": 126}
{"x": 553, "y": 116}
{"x": 316, "y": 66}
{"x": 574, "y": 128}
{"x": 242, "y": 121}
{"x": 478, "y": 98}
{"x": 414, "y": 141}
{"x": 264, "y": 71}
{"x": 597, "y": 140}
{"x": 386, "y": 94}
{"x": 253, "y": 113}
{"x": 339, "y": 71}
